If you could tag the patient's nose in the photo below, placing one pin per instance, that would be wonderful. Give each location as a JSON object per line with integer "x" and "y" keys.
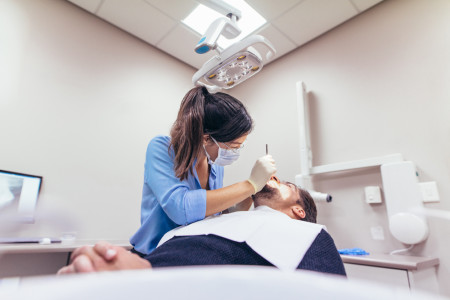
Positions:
{"x": 275, "y": 178}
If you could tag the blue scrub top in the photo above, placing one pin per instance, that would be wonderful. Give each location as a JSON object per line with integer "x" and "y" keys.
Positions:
{"x": 168, "y": 202}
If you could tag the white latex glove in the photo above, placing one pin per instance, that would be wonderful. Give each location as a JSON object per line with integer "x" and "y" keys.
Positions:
{"x": 263, "y": 169}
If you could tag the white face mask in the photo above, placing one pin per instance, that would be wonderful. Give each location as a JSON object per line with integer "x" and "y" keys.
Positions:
{"x": 225, "y": 157}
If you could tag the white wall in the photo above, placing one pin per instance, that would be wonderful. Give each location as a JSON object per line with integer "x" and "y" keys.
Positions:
{"x": 379, "y": 85}
{"x": 79, "y": 101}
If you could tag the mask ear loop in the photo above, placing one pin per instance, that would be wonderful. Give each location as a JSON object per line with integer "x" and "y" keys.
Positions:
{"x": 214, "y": 140}
{"x": 206, "y": 138}
{"x": 207, "y": 155}
{"x": 206, "y": 152}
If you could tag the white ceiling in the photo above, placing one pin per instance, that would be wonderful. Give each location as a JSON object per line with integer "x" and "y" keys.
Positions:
{"x": 290, "y": 23}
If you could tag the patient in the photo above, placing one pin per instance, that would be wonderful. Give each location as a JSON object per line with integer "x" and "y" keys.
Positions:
{"x": 273, "y": 234}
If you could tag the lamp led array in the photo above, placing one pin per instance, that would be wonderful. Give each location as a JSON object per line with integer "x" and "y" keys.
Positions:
{"x": 235, "y": 64}
{"x": 234, "y": 70}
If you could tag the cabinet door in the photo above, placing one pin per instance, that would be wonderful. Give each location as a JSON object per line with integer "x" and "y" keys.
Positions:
{"x": 31, "y": 264}
{"x": 392, "y": 278}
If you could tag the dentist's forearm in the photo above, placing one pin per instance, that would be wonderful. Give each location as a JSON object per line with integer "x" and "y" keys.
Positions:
{"x": 244, "y": 205}
{"x": 221, "y": 199}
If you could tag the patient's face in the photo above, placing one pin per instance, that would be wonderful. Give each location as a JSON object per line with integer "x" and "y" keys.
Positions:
{"x": 277, "y": 194}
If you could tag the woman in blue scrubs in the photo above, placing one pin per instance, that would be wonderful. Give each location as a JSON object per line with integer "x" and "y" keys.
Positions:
{"x": 183, "y": 179}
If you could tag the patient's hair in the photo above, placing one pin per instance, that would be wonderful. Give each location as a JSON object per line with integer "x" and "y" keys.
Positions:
{"x": 307, "y": 202}
{"x": 218, "y": 115}
{"x": 264, "y": 197}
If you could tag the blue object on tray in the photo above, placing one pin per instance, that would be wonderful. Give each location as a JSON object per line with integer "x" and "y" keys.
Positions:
{"x": 353, "y": 251}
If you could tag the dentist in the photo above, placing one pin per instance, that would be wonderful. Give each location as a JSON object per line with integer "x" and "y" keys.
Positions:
{"x": 183, "y": 179}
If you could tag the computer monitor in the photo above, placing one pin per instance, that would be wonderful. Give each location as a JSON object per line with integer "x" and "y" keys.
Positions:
{"x": 19, "y": 194}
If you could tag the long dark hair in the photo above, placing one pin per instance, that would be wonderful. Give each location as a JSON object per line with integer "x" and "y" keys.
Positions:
{"x": 219, "y": 115}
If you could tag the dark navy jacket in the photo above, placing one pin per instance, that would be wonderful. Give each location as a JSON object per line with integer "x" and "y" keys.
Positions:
{"x": 322, "y": 256}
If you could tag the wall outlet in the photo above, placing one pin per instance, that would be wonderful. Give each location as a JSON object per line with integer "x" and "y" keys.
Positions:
{"x": 429, "y": 191}
{"x": 377, "y": 233}
{"x": 373, "y": 194}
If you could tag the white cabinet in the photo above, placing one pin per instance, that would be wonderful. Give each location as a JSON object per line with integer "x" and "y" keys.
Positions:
{"x": 18, "y": 260}
{"x": 394, "y": 271}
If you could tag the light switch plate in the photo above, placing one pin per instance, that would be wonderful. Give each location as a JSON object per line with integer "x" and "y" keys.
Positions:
{"x": 373, "y": 194}
{"x": 429, "y": 191}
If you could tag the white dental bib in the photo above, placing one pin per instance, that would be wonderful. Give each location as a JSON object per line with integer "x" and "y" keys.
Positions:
{"x": 275, "y": 236}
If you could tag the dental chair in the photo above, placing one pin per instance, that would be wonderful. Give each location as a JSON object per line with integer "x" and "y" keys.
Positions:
{"x": 201, "y": 283}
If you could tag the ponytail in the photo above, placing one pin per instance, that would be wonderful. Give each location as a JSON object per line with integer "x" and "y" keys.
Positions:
{"x": 187, "y": 131}
{"x": 219, "y": 115}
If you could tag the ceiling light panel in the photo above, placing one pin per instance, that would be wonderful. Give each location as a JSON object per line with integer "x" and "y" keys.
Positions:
{"x": 202, "y": 17}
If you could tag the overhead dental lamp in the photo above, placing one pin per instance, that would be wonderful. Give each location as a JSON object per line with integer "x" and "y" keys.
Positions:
{"x": 237, "y": 62}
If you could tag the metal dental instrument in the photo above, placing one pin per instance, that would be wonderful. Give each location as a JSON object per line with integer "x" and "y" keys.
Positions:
{"x": 267, "y": 149}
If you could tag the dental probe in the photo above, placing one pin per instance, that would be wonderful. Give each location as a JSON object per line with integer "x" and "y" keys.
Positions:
{"x": 267, "y": 149}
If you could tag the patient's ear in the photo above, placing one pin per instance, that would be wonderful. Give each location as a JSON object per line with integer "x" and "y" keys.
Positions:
{"x": 298, "y": 212}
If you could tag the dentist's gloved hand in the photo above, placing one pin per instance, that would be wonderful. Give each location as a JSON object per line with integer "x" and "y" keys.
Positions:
{"x": 263, "y": 169}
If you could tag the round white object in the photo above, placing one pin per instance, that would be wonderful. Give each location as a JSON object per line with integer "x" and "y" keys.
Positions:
{"x": 408, "y": 228}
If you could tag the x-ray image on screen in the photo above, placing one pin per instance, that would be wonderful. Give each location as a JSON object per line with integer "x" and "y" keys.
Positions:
{"x": 10, "y": 190}
{"x": 19, "y": 194}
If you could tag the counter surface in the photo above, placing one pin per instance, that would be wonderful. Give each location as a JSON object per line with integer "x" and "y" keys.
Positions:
{"x": 403, "y": 262}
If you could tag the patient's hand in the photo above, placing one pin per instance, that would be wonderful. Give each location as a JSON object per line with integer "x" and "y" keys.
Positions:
{"x": 103, "y": 257}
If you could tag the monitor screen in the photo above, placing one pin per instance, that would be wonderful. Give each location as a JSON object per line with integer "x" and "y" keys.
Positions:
{"x": 18, "y": 194}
